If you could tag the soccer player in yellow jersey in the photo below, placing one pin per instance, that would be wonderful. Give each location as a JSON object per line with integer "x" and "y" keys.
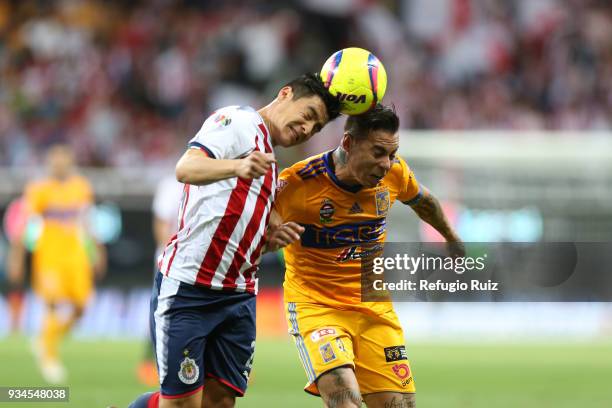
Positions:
{"x": 350, "y": 350}
{"x": 62, "y": 260}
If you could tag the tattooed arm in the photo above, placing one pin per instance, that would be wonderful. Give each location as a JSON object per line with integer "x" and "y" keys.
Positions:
{"x": 428, "y": 209}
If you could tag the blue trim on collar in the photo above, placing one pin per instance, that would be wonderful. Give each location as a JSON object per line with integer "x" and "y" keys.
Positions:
{"x": 326, "y": 159}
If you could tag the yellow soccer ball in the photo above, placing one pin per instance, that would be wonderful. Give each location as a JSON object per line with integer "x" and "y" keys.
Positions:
{"x": 356, "y": 77}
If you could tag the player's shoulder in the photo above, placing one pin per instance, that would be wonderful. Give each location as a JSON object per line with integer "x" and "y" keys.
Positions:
{"x": 232, "y": 116}
{"x": 399, "y": 170}
{"x": 36, "y": 185}
{"x": 310, "y": 167}
{"x": 80, "y": 181}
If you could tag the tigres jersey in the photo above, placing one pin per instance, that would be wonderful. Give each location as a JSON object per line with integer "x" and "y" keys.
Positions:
{"x": 324, "y": 266}
{"x": 61, "y": 205}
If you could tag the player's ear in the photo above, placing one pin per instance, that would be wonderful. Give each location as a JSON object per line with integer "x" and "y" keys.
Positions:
{"x": 347, "y": 141}
{"x": 285, "y": 93}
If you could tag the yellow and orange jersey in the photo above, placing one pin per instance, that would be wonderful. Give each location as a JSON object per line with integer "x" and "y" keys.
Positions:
{"x": 324, "y": 266}
{"x": 61, "y": 206}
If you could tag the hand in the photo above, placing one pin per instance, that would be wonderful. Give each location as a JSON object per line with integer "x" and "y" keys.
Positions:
{"x": 255, "y": 165}
{"x": 283, "y": 235}
{"x": 455, "y": 248}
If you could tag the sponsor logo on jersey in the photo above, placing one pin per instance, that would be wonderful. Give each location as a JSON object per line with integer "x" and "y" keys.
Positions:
{"x": 402, "y": 371}
{"x": 280, "y": 185}
{"x": 327, "y": 210}
{"x": 349, "y": 254}
{"x": 395, "y": 353}
{"x": 223, "y": 120}
{"x": 189, "y": 371}
{"x": 343, "y": 235}
{"x": 382, "y": 203}
{"x": 319, "y": 334}
{"x": 355, "y": 209}
{"x": 327, "y": 353}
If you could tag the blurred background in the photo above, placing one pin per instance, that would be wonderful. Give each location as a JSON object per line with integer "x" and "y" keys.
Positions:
{"x": 506, "y": 113}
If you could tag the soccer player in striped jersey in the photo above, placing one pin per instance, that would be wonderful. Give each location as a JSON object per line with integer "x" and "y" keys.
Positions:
{"x": 203, "y": 308}
{"x": 350, "y": 349}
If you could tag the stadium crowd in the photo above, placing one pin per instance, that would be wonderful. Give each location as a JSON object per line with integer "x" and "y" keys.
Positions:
{"x": 127, "y": 83}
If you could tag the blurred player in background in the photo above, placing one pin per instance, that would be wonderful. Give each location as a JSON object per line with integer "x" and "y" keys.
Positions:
{"x": 166, "y": 204}
{"x": 204, "y": 313}
{"x": 65, "y": 257}
{"x": 350, "y": 350}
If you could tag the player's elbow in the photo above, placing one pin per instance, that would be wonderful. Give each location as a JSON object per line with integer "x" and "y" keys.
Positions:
{"x": 181, "y": 172}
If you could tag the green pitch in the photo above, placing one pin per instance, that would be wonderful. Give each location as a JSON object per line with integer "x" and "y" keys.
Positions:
{"x": 478, "y": 376}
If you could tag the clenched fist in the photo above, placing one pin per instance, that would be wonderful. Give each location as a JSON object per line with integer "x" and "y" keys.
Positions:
{"x": 255, "y": 165}
{"x": 282, "y": 235}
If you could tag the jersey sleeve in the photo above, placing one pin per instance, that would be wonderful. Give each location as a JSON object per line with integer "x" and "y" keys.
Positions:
{"x": 34, "y": 199}
{"x": 226, "y": 134}
{"x": 289, "y": 203}
{"x": 410, "y": 190}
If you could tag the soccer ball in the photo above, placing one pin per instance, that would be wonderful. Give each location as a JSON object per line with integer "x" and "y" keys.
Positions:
{"x": 356, "y": 77}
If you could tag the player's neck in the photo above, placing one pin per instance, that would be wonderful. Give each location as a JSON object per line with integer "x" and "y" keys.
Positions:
{"x": 341, "y": 169}
{"x": 265, "y": 115}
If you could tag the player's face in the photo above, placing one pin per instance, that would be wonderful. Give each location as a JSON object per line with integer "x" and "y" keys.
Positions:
{"x": 60, "y": 161}
{"x": 298, "y": 119}
{"x": 370, "y": 159}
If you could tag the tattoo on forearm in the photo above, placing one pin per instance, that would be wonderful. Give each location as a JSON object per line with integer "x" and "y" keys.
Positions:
{"x": 430, "y": 211}
{"x": 405, "y": 401}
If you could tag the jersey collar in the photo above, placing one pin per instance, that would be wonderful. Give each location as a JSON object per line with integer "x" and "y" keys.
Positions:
{"x": 327, "y": 159}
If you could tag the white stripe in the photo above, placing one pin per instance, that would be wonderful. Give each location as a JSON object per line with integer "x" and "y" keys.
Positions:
{"x": 203, "y": 213}
{"x": 239, "y": 231}
{"x": 299, "y": 342}
{"x": 237, "y": 234}
{"x": 168, "y": 289}
{"x": 258, "y": 237}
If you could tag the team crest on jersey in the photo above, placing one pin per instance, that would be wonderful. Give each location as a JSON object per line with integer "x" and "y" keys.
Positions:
{"x": 327, "y": 353}
{"x": 355, "y": 209}
{"x": 189, "y": 371}
{"x": 395, "y": 353}
{"x": 382, "y": 203}
{"x": 223, "y": 120}
{"x": 326, "y": 212}
{"x": 319, "y": 334}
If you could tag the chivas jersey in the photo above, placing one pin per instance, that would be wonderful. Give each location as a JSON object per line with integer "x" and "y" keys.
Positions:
{"x": 221, "y": 225}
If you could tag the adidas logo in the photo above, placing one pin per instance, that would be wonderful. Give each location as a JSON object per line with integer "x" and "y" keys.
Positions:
{"x": 355, "y": 209}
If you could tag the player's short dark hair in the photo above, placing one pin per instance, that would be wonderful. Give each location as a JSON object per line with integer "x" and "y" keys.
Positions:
{"x": 380, "y": 117}
{"x": 312, "y": 84}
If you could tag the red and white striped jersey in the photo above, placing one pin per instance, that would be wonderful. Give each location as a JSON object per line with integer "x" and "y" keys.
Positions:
{"x": 221, "y": 225}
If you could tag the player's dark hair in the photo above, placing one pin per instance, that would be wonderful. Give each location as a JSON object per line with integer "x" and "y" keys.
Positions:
{"x": 312, "y": 84}
{"x": 380, "y": 117}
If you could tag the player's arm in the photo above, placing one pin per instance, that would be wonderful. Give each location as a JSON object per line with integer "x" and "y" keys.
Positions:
{"x": 428, "y": 209}
{"x": 162, "y": 230}
{"x": 279, "y": 234}
{"x": 15, "y": 264}
{"x": 16, "y": 274}
{"x": 197, "y": 168}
